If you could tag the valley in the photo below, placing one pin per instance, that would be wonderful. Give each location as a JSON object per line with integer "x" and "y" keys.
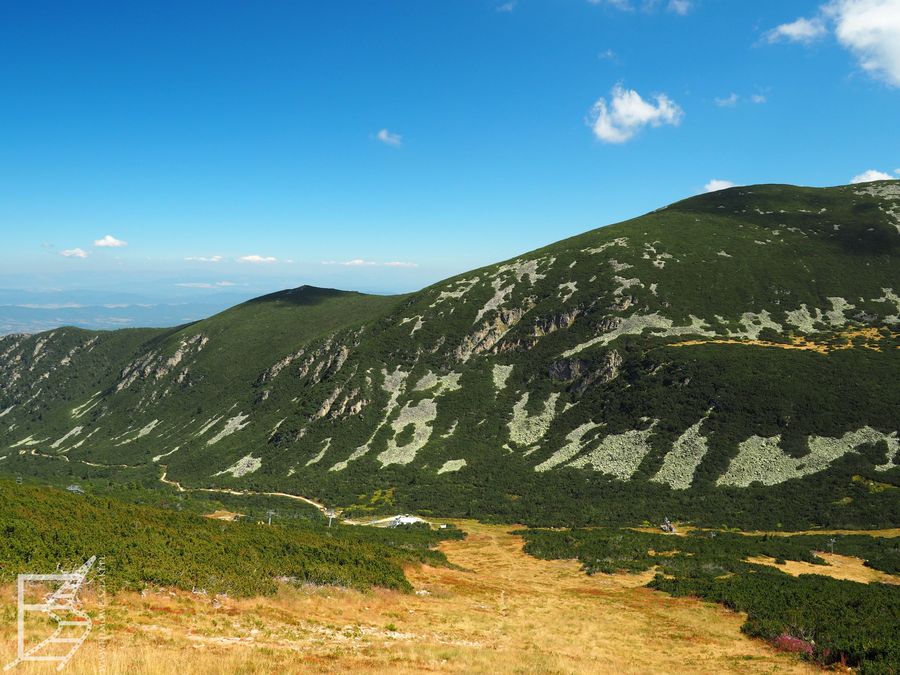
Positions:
{"x": 500, "y": 336}
{"x": 596, "y": 380}
{"x": 728, "y": 361}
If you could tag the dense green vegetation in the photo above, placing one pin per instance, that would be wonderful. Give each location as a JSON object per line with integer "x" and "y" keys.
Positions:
{"x": 830, "y": 620}
{"x": 570, "y": 357}
{"x": 41, "y": 528}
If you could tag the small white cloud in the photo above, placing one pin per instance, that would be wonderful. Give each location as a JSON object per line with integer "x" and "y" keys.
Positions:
{"x": 680, "y": 7}
{"x": 356, "y": 262}
{"x": 897, "y": 171}
{"x": 802, "y": 30}
{"x": 627, "y": 113}
{"x": 624, "y": 5}
{"x": 203, "y": 284}
{"x": 717, "y": 184}
{"x": 870, "y": 175}
{"x": 608, "y": 55}
{"x": 758, "y": 98}
{"x": 257, "y": 259}
{"x": 389, "y": 138}
{"x": 360, "y": 262}
{"x": 507, "y": 7}
{"x": 200, "y": 258}
{"x": 110, "y": 241}
{"x": 727, "y": 102}
{"x": 74, "y": 253}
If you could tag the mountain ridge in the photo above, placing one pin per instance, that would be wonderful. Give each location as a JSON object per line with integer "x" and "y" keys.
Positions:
{"x": 701, "y": 354}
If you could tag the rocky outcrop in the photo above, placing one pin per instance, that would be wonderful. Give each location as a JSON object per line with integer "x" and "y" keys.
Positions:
{"x": 491, "y": 332}
{"x": 582, "y": 374}
{"x": 556, "y": 322}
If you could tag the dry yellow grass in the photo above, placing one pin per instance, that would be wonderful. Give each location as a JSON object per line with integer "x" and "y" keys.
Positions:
{"x": 839, "y": 567}
{"x": 886, "y": 532}
{"x": 501, "y": 612}
{"x": 683, "y": 530}
{"x": 867, "y": 338}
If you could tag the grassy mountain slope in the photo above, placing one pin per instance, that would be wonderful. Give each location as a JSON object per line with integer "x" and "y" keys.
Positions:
{"x": 143, "y": 546}
{"x": 730, "y": 358}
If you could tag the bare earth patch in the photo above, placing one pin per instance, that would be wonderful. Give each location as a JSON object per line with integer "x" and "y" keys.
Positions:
{"x": 229, "y": 516}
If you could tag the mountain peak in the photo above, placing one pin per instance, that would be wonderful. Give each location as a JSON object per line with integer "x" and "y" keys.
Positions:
{"x": 302, "y": 295}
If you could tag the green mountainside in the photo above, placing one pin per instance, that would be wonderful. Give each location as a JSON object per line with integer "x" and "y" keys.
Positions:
{"x": 729, "y": 359}
{"x": 145, "y": 546}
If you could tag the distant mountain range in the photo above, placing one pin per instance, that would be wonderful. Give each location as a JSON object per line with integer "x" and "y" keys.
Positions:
{"x": 35, "y": 311}
{"x": 731, "y": 358}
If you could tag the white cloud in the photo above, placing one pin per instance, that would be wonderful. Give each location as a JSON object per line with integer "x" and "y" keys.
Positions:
{"x": 870, "y": 175}
{"x": 608, "y": 55}
{"x": 200, "y": 258}
{"x": 360, "y": 262}
{"x": 733, "y": 99}
{"x": 897, "y": 171}
{"x": 802, "y": 30}
{"x": 257, "y": 259}
{"x": 627, "y": 113}
{"x": 624, "y": 5}
{"x": 681, "y": 7}
{"x": 389, "y": 138}
{"x": 507, "y": 6}
{"x": 356, "y": 262}
{"x": 202, "y": 284}
{"x": 74, "y": 253}
{"x": 727, "y": 102}
{"x": 717, "y": 184}
{"x": 871, "y": 30}
{"x": 110, "y": 241}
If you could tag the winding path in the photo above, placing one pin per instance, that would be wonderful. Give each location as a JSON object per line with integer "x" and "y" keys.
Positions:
{"x": 240, "y": 493}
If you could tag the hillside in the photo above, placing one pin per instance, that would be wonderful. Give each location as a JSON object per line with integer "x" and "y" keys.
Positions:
{"x": 147, "y": 547}
{"x": 730, "y": 358}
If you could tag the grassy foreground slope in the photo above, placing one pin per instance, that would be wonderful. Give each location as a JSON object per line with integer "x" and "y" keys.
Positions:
{"x": 729, "y": 359}
{"x": 828, "y": 620}
{"x": 488, "y": 611}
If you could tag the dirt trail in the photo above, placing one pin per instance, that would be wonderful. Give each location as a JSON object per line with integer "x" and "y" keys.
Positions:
{"x": 239, "y": 493}
{"x": 501, "y": 611}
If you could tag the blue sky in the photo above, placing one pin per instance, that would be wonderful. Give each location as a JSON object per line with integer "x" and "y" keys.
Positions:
{"x": 438, "y": 135}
